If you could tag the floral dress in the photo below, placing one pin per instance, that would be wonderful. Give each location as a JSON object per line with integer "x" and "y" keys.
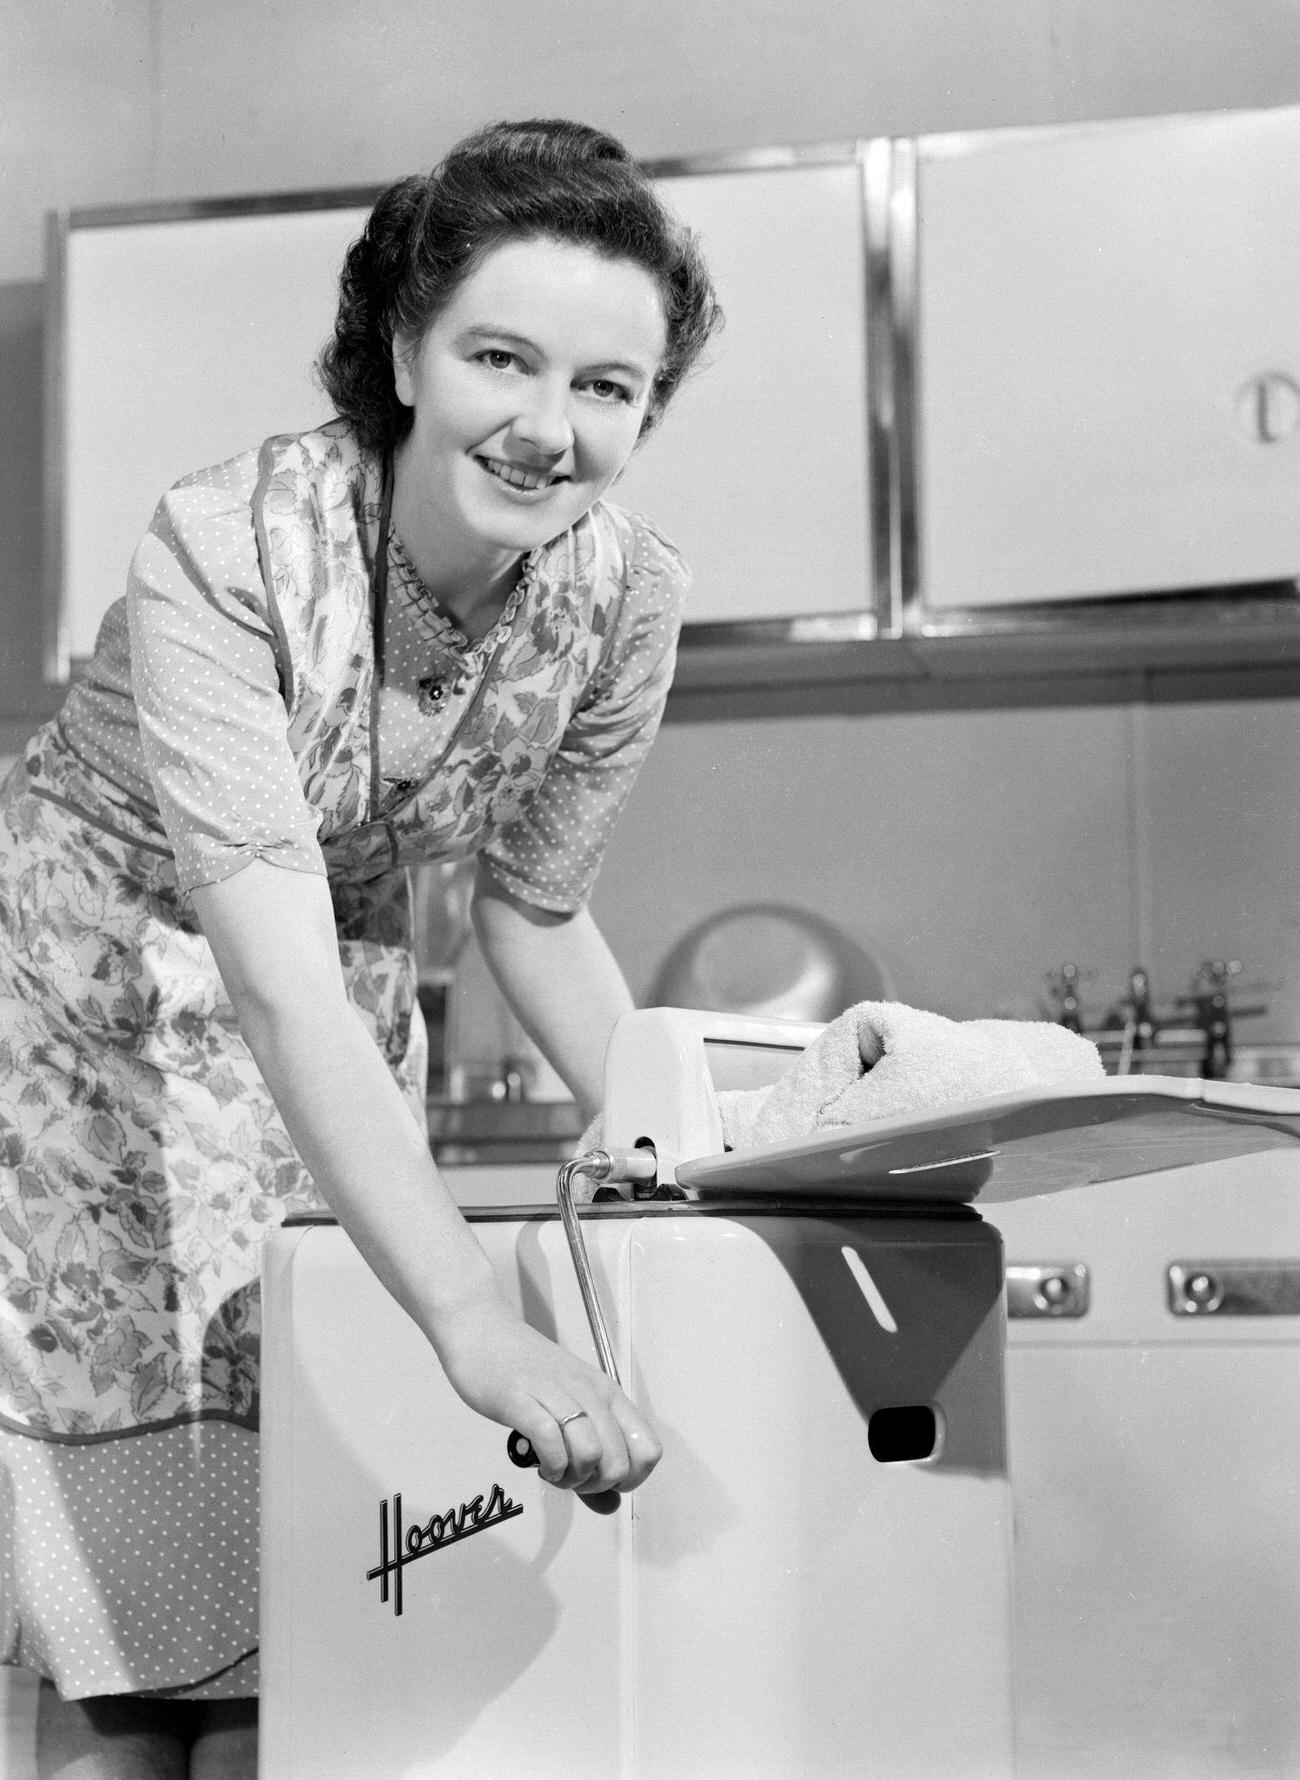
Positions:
{"x": 246, "y": 700}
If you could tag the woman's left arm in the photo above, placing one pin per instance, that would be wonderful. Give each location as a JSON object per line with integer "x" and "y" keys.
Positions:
{"x": 560, "y": 979}
{"x": 555, "y": 970}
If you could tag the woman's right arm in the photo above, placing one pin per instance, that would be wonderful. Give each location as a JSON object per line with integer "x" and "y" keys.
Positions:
{"x": 272, "y": 933}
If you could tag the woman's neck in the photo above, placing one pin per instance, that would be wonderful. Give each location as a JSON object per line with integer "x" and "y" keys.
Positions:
{"x": 474, "y": 586}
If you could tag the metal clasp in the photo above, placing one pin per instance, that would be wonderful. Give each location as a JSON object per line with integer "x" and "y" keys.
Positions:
{"x": 1234, "y": 1288}
{"x": 1048, "y": 1289}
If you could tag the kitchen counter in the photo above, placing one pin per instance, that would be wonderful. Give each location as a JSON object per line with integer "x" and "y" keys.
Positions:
{"x": 472, "y": 1132}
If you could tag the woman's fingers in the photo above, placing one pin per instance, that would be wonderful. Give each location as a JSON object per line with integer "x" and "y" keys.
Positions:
{"x": 608, "y": 1446}
{"x": 585, "y": 1433}
{"x": 586, "y": 1442}
{"x": 596, "y": 1450}
{"x": 640, "y": 1442}
{"x": 568, "y": 1454}
{"x": 611, "y": 1447}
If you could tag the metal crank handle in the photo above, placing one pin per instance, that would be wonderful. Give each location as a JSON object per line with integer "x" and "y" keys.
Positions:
{"x": 599, "y": 1165}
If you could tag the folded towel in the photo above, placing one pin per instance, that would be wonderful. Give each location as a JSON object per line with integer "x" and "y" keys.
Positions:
{"x": 882, "y": 1060}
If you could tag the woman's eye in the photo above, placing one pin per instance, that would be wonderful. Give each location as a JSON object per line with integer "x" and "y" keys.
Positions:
{"x": 608, "y": 391}
{"x": 496, "y": 358}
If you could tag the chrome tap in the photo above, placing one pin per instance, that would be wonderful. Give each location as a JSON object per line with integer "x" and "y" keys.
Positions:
{"x": 1063, "y": 987}
{"x": 1209, "y": 999}
{"x": 1196, "y": 1027}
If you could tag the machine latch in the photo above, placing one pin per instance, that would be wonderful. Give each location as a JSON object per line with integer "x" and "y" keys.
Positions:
{"x": 1234, "y": 1288}
{"x": 1050, "y": 1289}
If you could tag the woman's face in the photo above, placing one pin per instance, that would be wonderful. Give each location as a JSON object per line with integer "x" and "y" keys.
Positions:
{"x": 529, "y": 391}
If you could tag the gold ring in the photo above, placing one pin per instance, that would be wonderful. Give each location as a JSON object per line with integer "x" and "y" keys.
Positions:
{"x": 577, "y": 1415}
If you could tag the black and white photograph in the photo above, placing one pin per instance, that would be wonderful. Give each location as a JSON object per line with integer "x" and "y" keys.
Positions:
{"x": 650, "y": 890}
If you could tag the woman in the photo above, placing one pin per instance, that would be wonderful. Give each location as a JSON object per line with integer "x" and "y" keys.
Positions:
{"x": 414, "y": 633}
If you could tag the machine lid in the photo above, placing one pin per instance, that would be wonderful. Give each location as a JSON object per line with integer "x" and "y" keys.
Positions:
{"x": 1015, "y": 1146}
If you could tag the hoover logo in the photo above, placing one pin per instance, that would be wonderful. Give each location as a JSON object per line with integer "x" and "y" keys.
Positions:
{"x": 398, "y": 1549}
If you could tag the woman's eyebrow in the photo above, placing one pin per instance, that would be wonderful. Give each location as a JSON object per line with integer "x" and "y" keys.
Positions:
{"x": 627, "y": 367}
{"x": 503, "y": 335}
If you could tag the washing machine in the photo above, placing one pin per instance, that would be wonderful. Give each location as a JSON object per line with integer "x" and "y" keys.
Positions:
{"x": 817, "y": 1579}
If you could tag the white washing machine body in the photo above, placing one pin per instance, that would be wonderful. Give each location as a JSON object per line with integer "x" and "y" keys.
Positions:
{"x": 814, "y": 1582}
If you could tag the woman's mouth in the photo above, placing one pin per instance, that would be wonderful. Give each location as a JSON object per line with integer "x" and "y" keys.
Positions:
{"x": 516, "y": 477}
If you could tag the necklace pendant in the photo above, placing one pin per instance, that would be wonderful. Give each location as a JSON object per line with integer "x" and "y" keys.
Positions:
{"x": 429, "y": 694}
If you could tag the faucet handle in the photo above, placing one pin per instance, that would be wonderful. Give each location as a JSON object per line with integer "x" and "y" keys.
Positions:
{"x": 1065, "y": 979}
{"x": 1214, "y": 974}
{"x": 1134, "y": 1011}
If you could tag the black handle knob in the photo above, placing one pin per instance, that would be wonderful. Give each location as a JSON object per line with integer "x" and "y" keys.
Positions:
{"x": 521, "y": 1452}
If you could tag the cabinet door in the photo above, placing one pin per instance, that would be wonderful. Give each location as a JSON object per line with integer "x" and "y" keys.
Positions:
{"x": 184, "y": 343}
{"x": 759, "y": 475}
{"x": 1109, "y": 358}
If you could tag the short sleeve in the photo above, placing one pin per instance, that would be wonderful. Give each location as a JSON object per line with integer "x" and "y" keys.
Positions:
{"x": 208, "y": 689}
{"x": 550, "y": 855}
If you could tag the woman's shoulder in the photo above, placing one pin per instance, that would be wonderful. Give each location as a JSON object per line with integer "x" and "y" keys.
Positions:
{"x": 214, "y": 490}
{"x": 294, "y": 480}
{"x": 640, "y": 559}
{"x": 209, "y": 532}
{"x": 322, "y": 455}
{"x": 202, "y": 529}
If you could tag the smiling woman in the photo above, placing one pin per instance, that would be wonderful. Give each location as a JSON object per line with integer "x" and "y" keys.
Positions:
{"x": 416, "y": 633}
{"x": 529, "y": 392}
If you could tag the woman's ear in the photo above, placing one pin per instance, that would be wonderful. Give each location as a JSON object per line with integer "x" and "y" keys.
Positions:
{"x": 404, "y": 352}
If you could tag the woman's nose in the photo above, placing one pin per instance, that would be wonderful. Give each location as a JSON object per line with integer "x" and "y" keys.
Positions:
{"x": 543, "y": 423}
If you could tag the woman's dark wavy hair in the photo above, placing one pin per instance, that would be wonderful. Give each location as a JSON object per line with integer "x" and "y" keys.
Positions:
{"x": 510, "y": 181}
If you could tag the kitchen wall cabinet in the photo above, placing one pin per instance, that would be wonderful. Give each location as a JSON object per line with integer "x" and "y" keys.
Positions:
{"x": 976, "y": 392}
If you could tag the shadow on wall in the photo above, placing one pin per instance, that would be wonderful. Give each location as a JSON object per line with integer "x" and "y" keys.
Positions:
{"x": 18, "y": 1689}
{"x": 22, "y": 690}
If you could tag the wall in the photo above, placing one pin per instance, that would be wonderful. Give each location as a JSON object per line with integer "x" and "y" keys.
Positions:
{"x": 974, "y": 850}
{"x": 973, "y": 854}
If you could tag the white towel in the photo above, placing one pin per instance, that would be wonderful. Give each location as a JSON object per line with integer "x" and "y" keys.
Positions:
{"x": 882, "y": 1060}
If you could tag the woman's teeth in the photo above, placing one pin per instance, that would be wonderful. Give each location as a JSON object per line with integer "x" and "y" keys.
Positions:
{"x": 516, "y": 477}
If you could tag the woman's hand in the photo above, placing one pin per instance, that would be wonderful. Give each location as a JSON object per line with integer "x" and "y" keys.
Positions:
{"x": 587, "y": 1435}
